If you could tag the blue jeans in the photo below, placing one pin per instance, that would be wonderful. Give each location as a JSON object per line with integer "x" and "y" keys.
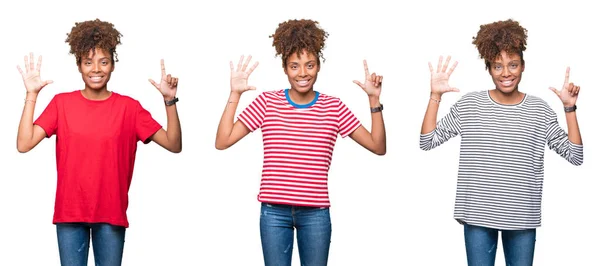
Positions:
{"x": 277, "y": 223}
{"x": 481, "y": 243}
{"x": 74, "y": 243}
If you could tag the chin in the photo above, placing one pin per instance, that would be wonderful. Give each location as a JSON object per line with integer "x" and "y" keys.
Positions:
{"x": 302, "y": 89}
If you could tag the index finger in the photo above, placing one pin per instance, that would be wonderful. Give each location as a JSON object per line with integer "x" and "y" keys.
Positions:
{"x": 366, "y": 68}
{"x": 162, "y": 67}
{"x": 567, "y": 75}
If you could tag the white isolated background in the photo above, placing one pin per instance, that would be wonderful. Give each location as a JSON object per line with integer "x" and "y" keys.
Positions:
{"x": 199, "y": 207}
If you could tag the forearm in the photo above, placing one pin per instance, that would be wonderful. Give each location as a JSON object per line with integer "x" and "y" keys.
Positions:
{"x": 430, "y": 119}
{"x": 573, "y": 128}
{"x": 377, "y": 127}
{"x": 226, "y": 124}
{"x": 25, "y": 131}
{"x": 173, "y": 128}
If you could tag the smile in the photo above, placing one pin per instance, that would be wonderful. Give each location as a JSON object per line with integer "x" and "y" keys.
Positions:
{"x": 303, "y": 82}
{"x": 96, "y": 78}
{"x": 507, "y": 82}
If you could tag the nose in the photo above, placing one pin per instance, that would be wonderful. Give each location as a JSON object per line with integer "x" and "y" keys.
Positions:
{"x": 95, "y": 67}
{"x": 303, "y": 71}
{"x": 505, "y": 72}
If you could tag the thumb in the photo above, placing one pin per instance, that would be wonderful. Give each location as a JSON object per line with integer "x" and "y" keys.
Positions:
{"x": 154, "y": 83}
{"x": 359, "y": 83}
{"x": 454, "y": 90}
{"x": 555, "y": 91}
{"x": 251, "y": 88}
{"x": 46, "y": 83}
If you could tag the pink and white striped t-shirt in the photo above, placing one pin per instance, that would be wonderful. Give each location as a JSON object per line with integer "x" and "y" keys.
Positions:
{"x": 298, "y": 145}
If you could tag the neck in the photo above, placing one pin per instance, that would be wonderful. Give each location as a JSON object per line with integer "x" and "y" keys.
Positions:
{"x": 98, "y": 95}
{"x": 302, "y": 98}
{"x": 513, "y": 97}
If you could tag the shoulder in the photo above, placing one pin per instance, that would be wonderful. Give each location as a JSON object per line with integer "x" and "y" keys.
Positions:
{"x": 536, "y": 103}
{"x": 475, "y": 96}
{"x": 124, "y": 99}
{"x": 328, "y": 99}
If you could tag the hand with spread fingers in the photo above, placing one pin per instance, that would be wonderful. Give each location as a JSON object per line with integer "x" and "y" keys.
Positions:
{"x": 168, "y": 84}
{"x": 440, "y": 77}
{"x": 239, "y": 76}
{"x": 569, "y": 92}
{"x": 373, "y": 82}
{"x": 31, "y": 76}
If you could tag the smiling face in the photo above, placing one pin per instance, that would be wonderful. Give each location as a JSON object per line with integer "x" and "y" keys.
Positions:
{"x": 302, "y": 71}
{"x": 95, "y": 69}
{"x": 506, "y": 72}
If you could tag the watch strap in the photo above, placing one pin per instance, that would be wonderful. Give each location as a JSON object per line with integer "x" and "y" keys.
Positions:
{"x": 172, "y": 101}
{"x": 569, "y": 109}
{"x": 377, "y": 109}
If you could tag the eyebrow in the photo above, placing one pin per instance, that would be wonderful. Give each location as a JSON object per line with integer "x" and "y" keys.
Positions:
{"x": 309, "y": 62}
{"x": 509, "y": 62}
{"x": 89, "y": 58}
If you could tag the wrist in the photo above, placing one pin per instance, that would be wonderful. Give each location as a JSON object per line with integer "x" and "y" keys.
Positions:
{"x": 571, "y": 108}
{"x": 234, "y": 96}
{"x": 436, "y": 96}
{"x": 31, "y": 95}
{"x": 374, "y": 101}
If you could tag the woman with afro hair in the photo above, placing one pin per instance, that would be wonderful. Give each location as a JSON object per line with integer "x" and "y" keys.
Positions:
{"x": 299, "y": 127}
{"x": 97, "y": 131}
{"x": 503, "y": 136}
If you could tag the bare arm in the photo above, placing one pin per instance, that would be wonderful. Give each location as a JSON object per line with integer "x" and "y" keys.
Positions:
{"x": 171, "y": 138}
{"x": 568, "y": 96}
{"x": 229, "y": 133}
{"x": 29, "y": 135}
{"x": 373, "y": 141}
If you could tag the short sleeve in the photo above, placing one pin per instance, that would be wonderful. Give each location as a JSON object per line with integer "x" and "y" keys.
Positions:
{"x": 48, "y": 120}
{"x": 347, "y": 122}
{"x": 254, "y": 115}
{"x": 145, "y": 125}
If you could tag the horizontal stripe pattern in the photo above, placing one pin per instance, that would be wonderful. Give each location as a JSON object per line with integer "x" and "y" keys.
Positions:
{"x": 501, "y": 166}
{"x": 298, "y": 146}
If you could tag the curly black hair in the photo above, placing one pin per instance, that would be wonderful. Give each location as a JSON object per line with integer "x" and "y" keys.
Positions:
{"x": 294, "y": 36}
{"x": 92, "y": 35}
{"x": 493, "y": 38}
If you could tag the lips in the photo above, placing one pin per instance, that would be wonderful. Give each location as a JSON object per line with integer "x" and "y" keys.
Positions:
{"x": 507, "y": 83}
{"x": 302, "y": 82}
{"x": 96, "y": 78}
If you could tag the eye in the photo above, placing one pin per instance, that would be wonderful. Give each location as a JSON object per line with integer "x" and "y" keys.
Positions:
{"x": 497, "y": 67}
{"x": 513, "y": 66}
{"x": 310, "y": 66}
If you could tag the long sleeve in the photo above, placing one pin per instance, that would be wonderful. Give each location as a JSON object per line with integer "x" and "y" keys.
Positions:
{"x": 558, "y": 140}
{"x": 447, "y": 128}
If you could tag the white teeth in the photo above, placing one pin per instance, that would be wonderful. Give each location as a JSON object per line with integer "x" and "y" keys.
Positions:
{"x": 96, "y": 79}
{"x": 302, "y": 82}
{"x": 506, "y": 83}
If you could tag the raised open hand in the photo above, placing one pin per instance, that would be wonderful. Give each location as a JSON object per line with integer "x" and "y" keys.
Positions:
{"x": 239, "y": 76}
{"x": 569, "y": 92}
{"x": 31, "y": 76}
{"x": 440, "y": 77}
{"x": 168, "y": 84}
{"x": 372, "y": 85}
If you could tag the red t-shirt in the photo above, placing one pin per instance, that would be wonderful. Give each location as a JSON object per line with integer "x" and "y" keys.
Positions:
{"x": 96, "y": 143}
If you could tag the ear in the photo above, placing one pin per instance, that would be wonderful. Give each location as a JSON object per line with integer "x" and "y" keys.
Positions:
{"x": 79, "y": 67}
{"x": 112, "y": 68}
{"x": 522, "y": 70}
